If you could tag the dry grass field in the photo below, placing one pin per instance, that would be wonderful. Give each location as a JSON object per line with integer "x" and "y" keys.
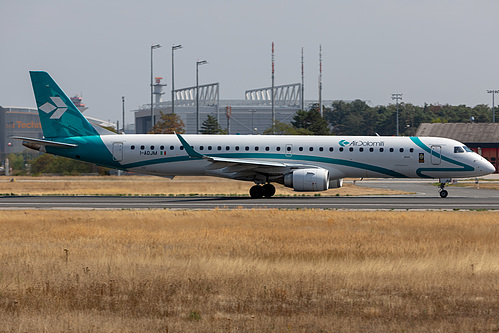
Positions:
{"x": 148, "y": 185}
{"x": 249, "y": 271}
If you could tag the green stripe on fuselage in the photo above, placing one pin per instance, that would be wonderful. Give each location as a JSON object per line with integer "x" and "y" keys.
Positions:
{"x": 419, "y": 171}
{"x": 90, "y": 149}
{"x": 269, "y": 156}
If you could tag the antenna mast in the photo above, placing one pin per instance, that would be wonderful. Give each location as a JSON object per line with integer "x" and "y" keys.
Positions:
{"x": 273, "y": 93}
{"x": 320, "y": 81}
{"x": 302, "y": 82}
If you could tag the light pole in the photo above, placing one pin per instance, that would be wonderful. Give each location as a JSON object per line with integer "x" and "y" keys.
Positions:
{"x": 493, "y": 110}
{"x": 123, "y": 106}
{"x": 252, "y": 122}
{"x": 174, "y": 47}
{"x": 202, "y": 62}
{"x": 397, "y": 97}
{"x": 153, "y": 47}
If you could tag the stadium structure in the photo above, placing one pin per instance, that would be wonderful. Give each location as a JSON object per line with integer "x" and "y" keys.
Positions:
{"x": 251, "y": 115}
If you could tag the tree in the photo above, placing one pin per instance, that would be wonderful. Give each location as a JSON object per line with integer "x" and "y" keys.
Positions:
{"x": 168, "y": 124}
{"x": 47, "y": 163}
{"x": 16, "y": 161}
{"x": 311, "y": 121}
{"x": 286, "y": 129}
{"x": 210, "y": 126}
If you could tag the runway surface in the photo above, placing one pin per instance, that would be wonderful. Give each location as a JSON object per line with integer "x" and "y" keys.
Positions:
{"x": 425, "y": 198}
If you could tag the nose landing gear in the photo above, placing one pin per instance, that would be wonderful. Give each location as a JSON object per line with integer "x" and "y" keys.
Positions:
{"x": 443, "y": 192}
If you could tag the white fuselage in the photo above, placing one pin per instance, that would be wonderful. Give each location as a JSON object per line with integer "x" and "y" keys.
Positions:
{"x": 342, "y": 156}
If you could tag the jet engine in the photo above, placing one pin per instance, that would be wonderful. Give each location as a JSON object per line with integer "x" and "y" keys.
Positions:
{"x": 308, "y": 179}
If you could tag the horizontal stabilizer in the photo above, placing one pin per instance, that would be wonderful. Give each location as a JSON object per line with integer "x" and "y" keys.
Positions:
{"x": 39, "y": 144}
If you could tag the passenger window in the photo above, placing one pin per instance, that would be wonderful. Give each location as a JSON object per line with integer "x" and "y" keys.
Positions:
{"x": 152, "y": 147}
{"x": 201, "y": 147}
{"x": 341, "y": 148}
{"x": 209, "y": 147}
{"x": 219, "y": 148}
{"x": 278, "y": 148}
{"x": 458, "y": 150}
{"x": 300, "y": 149}
{"x": 267, "y": 148}
{"x": 401, "y": 150}
{"x": 361, "y": 149}
{"x": 381, "y": 150}
{"x": 331, "y": 148}
{"x": 142, "y": 147}
{"x": 321, "y": 149}
{"x": 246, "y": 148}
{"x": 132, "y": 147}
{"x": 162, "y": 148}
{"x": 371, "y": 149}
{"x": 311, "y": 149}
{"x": 257, "y": 148}
{"x": 181, "y": 147}
{"x": 411, "y": 150}
{"x": 288, "y": 148}
{"x": 237, "y": 148}
{"x": 227, "y": 148}
{"x": 351, "y": 149}
{"x": 391, "y": 150}
{"x": 172, "y": 147}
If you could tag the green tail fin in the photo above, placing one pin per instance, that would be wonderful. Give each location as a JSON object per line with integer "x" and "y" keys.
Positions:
{"x": 58, "y": 115}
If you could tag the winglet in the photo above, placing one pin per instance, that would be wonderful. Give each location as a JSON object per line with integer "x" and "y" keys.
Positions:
{"x": 190, "y": 151}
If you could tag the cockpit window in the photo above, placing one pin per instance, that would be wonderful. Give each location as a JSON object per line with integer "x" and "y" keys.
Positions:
{"x": 467, "y": 149}
{"x": 458, "y": 150}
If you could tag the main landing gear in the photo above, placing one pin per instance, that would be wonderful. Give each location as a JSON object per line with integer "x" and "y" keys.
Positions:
{"x": 259, "y": 191}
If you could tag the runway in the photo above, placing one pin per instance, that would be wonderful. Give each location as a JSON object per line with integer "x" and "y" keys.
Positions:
{"x": 189, "y": 203}
{"x": 425, "y": 197}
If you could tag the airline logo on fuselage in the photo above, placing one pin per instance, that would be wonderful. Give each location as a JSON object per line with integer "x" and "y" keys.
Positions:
{"x": 360, "y": 143}
{"x": 60, "y": 107}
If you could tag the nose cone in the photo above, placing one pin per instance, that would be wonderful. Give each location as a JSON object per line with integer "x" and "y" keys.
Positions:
{"x": 488, "y": 167}
{"x": 484, "y": 167}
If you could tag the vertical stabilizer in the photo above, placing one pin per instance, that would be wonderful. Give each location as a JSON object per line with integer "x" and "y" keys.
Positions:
{"x": 58, "y": 115}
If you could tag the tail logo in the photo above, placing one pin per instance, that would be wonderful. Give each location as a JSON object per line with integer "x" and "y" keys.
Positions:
{"x": 60, "y": 107}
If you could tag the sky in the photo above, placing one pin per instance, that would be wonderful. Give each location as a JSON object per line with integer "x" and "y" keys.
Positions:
{"x": 431, "y": 51}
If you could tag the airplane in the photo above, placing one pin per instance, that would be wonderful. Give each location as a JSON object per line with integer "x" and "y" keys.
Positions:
{"x": 304, "y": 163}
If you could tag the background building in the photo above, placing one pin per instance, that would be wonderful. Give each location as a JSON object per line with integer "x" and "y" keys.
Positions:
{"x": 17, "y": 121}
{"x": 483, "y": 138}
{"x": 252, "y": 115}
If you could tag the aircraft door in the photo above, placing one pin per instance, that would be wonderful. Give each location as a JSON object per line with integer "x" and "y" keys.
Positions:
{"x": 118, "y": 151}
{"x": 435, "y": 155}
{"x": 288, "y": 150}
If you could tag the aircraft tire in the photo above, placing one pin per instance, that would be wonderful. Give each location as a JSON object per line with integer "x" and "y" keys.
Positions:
{"x": 444, "y": 194}
{"x": 268, "y": 190}
{"x": 256, "y": 191}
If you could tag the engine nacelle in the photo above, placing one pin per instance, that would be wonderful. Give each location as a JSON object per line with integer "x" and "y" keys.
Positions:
{"x": 308, "y": 179}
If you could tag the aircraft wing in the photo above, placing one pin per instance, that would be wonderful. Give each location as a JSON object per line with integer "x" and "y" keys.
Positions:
{"x": 241, "y": 168}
